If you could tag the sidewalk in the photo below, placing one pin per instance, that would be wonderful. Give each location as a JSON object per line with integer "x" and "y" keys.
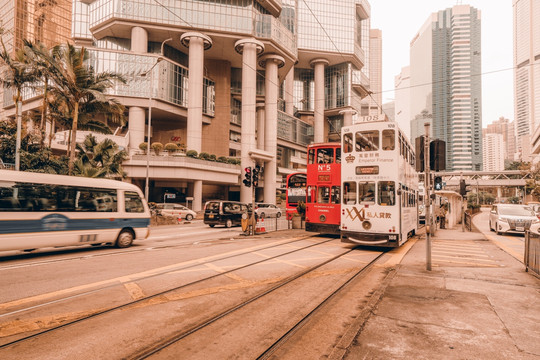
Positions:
{"x": 477, "y": 302}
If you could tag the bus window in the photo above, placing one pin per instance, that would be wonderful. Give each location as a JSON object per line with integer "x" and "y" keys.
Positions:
{"x": 367, "y": 140}
{"x": 387, "y": 193}
{"x": 133, "y": 202}
{"x": 325, "y": 156}
{"x": 347, "y": 143}
{"x": 311, "y": 156}
{"x": 349, "y": 193}
{"x": 335, "y": 195}
{"x": 310, "y": 193}
{"x": 388, "y": 139}
{"x": 366, "y": 192}
{"x": 323, "y": 195}
{"x": 338, "y": 156}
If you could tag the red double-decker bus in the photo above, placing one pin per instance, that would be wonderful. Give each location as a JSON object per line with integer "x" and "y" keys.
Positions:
{"x": 323, "y": 189}
{"x": 296, "y": 191}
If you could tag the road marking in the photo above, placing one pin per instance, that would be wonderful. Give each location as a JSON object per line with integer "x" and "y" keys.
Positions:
{"x": 128, "y": 278}
{"x": 465, "y": 258}
{"x": 282, "y": 261}
{"x": 221, "y": 270}
{"x": 398, "y": 254}
{"x": 134, "y": 291}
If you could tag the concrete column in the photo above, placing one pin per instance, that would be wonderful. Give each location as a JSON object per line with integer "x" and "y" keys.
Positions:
{"x": 139, "y": 40}
{"x": 347, "y": 116}
{"x": 197, "y": 43}
{"x": 318, "y": 116}
{"x": 249, "y": 48}
{"x": 197, "y": 195}
{"x": 289, "y": 91}
{"x": 272, "y": 62}
{"x": 260, "y": 126}
{"x": 136, "y": 128}
{"x": 499, "y": 193}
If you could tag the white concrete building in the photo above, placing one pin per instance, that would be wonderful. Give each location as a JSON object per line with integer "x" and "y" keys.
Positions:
{"x": 402, "y": 99}
{"x": 494, "y": 153}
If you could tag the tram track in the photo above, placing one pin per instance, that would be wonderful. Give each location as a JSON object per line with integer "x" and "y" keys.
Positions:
{"x": 158, "y": 294}
{"x": 156, "y": 348}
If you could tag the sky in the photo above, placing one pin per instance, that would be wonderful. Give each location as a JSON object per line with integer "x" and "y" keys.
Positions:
{"x": 400, "y": 20}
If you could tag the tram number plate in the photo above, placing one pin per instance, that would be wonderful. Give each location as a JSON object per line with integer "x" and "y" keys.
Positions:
{"x": 88, "y": 238}
{"x": 520, "y": 228}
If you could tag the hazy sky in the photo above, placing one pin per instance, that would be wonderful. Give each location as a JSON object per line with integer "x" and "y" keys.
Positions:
{"x": 400, "y": 20}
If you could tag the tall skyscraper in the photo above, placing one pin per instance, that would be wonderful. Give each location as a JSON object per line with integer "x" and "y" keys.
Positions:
{"x": 506, "y": 128}
{"x": 493, "y": 152}
{"x": 402, "y": 93}
{"x": 374, "y": 101}
{"x": 526, "y": 71}
{"x": 445, "y": 54}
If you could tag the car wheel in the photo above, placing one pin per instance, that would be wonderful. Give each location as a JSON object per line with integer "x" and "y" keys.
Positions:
{"x": 228, "y": 223}
{"x": 497, "y": 229}
{"x": 189, "y": 217}
{"x": 125, "y": 239}
{"x": 211, "y": 225}
{"x": 278, "y": 214}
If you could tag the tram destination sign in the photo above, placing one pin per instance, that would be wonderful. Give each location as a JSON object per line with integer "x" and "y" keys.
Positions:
{"x": 372, "y": 118}
{"x": 367, "y": 170}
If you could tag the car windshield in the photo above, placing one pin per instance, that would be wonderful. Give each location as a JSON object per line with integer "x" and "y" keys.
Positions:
{"x": 212, "y": 206}
{"x": 515, "y": 211}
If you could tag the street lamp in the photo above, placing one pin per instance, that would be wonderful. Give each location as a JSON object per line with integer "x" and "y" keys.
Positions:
{"x": 146, "y": 186}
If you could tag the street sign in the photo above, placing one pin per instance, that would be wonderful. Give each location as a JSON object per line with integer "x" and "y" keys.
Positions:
{"x": 170, "y": 196}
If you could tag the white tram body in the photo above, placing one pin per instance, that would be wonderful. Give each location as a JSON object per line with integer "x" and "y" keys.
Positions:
{"x": 43, "y": 210}
{"x": 379, "y": 185}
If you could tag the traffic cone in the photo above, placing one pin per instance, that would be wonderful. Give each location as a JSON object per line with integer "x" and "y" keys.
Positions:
{"x": 262, "y": 229}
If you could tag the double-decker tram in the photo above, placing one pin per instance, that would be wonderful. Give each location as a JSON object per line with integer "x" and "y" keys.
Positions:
{"x": 296, "y": 191}
{"x": 323, "y": 188}
{"x": 379, "y": 184}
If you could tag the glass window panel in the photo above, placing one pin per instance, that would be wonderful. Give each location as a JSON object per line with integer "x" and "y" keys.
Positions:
{"x": 387, "y": 193}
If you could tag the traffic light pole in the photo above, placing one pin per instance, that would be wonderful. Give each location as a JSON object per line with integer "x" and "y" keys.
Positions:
{"x": 462, "y": 206}
{"x": 428, "y": 198}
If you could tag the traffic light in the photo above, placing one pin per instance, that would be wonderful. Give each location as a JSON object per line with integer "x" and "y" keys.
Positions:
{"x": 437, "y": 155}
{"x": 247, "y": 174}
{"x": 437, "y": 183}
{"x": 256, "y": 171}
{"x": 463, "y": 188}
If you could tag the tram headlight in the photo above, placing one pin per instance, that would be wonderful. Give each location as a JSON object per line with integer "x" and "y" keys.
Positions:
{"x": 322, "y": 218}
{"x": 366, "y": 225}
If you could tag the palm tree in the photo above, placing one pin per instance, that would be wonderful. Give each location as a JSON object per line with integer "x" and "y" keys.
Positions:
{"x": 41, "y": 58}
{"x": 78, "y": 86}
{"x": 102, "y": 159}
{"x": 16, "y": 73}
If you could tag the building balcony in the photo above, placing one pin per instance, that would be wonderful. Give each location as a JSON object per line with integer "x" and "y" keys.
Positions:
{"x": 115, "y": 18}
{"x": 61, "y": 139}
{"x": 177, "y": 166}
{"x": 294, "y": 130}
{"x": 169, "y": 79}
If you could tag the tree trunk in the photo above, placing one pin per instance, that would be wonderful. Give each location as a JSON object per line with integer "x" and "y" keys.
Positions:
{"x": 73, "y": 138}
{"x": 43, "y": 114}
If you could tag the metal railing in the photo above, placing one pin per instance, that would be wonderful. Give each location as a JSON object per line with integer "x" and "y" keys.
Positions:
{"x": 532, "y": 253}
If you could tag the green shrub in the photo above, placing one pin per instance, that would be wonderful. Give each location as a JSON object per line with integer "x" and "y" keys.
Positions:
{"x": 204, "y": 156}
{"x": 192, "y": 153}
{"x": 222, "y": 159}
{"x": 212, "y": 157}
{"x": 157, "y": 147}
{"x": 143, "y": 146}
{"x": 171, "y": 147}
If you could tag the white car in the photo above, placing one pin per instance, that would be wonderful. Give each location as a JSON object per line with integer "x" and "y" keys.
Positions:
{"x": 172, "y": 209}
{"x": 511, "y": 218}
{"x": 264, "y": 210}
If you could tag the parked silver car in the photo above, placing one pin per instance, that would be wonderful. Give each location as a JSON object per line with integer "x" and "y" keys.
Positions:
{"x": 172, "y": 209}
{"x": 264, "y": 210}
{"x": 511, "y": 218}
